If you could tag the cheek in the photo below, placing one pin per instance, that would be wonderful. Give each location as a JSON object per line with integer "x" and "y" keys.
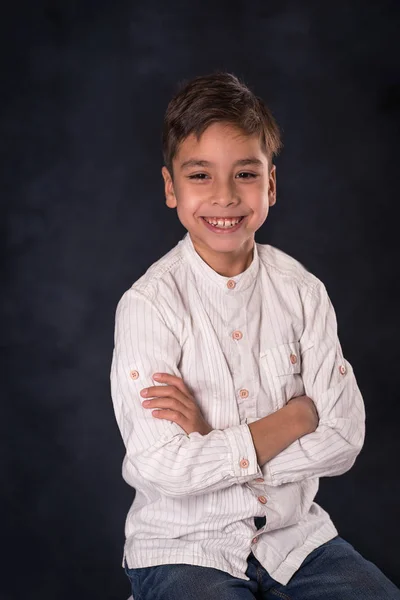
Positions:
{"x": 257, "y": 199}
{"x": 254, "y": 190}
{"x": 189, "y": 202}
{"x": 188, "y": 213}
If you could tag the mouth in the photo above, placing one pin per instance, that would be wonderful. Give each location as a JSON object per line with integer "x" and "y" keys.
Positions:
{"x": 227, "y": 229}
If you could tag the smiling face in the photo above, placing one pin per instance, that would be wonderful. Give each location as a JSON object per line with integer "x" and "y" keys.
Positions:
{"x": 224, "y": 174}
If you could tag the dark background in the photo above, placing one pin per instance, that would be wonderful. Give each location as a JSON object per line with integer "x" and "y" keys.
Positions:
{"x": 83, "y": 93}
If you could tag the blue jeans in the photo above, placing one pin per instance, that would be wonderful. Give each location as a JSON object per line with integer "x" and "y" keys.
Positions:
{"x": 334, "y": 571}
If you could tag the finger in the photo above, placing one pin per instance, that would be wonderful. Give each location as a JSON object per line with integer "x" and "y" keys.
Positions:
{"x": 170, "y": 404}
{"x": 172, "y": 380}
{"x": 169, "y": 415}
{"x": 167, "y": 391}
{"x": 159, "y": 390}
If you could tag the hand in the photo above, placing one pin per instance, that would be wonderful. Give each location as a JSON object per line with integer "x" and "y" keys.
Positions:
{"x": 307, "y": 412}
{"x": 176, "y": 404}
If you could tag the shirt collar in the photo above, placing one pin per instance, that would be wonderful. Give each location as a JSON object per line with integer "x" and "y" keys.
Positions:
{"x": 241, "y": 281}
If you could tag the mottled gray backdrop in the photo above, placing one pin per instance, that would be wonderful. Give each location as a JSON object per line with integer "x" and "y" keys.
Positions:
{"x": 84, "y": 86}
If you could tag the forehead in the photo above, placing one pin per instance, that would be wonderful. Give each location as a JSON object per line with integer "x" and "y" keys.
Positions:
{"x": 217, "y": 137}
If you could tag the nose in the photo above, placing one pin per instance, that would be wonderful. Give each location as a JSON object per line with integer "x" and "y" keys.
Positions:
{"x": 225, "y": 193}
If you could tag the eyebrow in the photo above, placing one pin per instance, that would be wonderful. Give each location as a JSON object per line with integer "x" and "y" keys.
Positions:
{"x": 243, "y": 162}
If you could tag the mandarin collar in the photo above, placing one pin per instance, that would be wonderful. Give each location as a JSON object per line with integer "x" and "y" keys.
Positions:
{"x": 241, "y": 281}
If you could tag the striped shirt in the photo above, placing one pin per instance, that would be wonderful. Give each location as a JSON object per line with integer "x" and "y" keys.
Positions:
{"x": 244, "y": 346}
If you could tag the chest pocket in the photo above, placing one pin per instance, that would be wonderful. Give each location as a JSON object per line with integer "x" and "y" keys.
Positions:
{"x": 280, "y": 371}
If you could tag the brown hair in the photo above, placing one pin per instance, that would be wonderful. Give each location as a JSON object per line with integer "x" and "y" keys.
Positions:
{"x": 214, "y": 98}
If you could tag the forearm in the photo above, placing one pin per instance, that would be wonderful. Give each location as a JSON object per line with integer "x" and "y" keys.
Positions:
{"x": 328, "y": 451}
{"x": 272, "y": 434}
{"x": 181, "y": 465}
{"x": 329, "y": 380}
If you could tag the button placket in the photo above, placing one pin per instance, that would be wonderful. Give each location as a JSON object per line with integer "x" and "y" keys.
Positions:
{"x": 241, "y": 358}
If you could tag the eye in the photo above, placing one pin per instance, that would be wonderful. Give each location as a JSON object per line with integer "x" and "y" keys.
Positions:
{"x": 199, "y": 176}
{"x": 247, "y": 175}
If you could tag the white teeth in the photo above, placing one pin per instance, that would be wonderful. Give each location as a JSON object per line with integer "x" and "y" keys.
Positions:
{"x": 223, "y": 222}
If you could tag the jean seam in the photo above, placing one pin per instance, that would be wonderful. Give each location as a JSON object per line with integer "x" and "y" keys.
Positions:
{"x": 135, "y": 596}
{"x": 280, "y": 594}
{"x": 130, "y": 577}
{"x": 259, "y": 577}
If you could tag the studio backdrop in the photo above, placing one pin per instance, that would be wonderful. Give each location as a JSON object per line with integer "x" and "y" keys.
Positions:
{"x": 84, "y": 89}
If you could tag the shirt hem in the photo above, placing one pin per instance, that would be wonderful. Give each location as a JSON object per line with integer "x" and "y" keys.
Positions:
{"x": 183, "y": 558}
{"x": 282, "y": 574}
{"x": 291, "y": 564}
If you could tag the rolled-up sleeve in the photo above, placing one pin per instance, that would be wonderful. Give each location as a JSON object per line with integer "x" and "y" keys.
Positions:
{"x": 157, "y": 450}
{"x": 330, "y": 382}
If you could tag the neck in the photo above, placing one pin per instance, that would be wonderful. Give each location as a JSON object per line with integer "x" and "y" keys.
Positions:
{"x": 227, "y": 264}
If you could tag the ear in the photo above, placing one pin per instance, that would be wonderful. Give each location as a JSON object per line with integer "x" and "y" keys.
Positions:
{"x": 168, "y": 188}
{"x": 272, "y": 186}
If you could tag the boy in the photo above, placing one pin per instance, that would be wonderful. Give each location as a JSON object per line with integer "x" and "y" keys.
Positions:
{"x": 255, "y": 400}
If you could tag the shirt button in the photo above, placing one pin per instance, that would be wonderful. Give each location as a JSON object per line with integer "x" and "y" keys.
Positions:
{"x": 243, "y": 393}
{"x": 260, "y": 479}
{"x": 262, "y": 499}
{"x": 254, "y": 540}
{"x": 237, "y": 335}
{"x": 293, "y": 359}
{"x": 134, "y": 374}
{"x": 342, "y": 369}
{"x": 244, "y": 463}
{"x": 231, "y": 284}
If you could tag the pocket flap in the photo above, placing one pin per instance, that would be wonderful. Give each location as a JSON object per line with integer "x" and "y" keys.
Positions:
{"x": 283, "y": 359}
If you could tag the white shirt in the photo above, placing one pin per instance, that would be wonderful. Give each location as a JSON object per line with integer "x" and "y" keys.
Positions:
{"x": 244, "y": 346}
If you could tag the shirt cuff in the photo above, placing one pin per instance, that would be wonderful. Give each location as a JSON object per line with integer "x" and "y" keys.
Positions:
{"x": 243, "y": 452}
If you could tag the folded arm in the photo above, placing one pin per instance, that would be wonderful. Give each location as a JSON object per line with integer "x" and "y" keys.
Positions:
{"x": 158, "y": 450}
{"x": 330, "y": 382}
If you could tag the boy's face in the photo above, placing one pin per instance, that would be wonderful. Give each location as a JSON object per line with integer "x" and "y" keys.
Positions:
{"x": 232, "y": 180}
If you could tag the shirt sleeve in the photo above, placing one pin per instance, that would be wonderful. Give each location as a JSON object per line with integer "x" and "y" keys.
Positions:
{"x": 330, "y": 382}
{"x": 157, "y": 450}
